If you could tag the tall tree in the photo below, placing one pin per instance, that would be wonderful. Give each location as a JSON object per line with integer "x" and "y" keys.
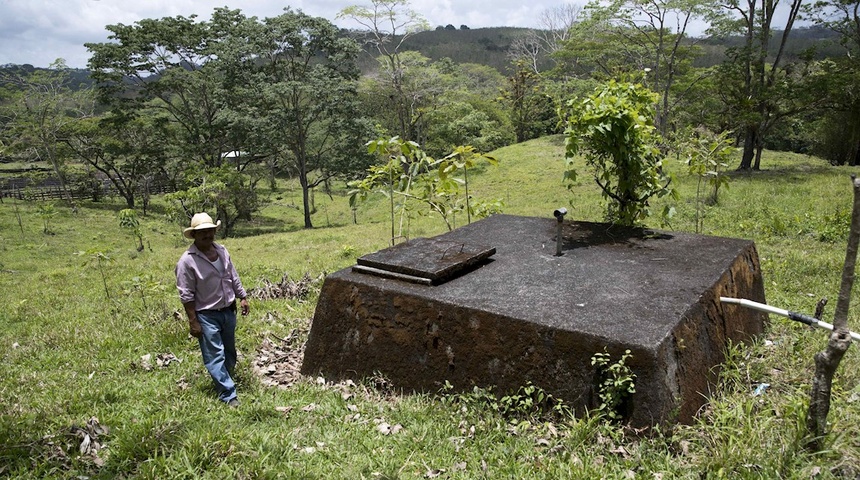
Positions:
{"x": 840, "y": 139}
{"x": 166, "y": 66}
{"x": 636, "y": 37}
{"x": 43, "y": 104}
{"x": 388, "y": 24}
{"x": 129, "y": 153}
{"x": 533, "y": 112}
{"x": 422, "y": 85}
{"x": 299, "y": 97}
{"x": 757, "y": 101}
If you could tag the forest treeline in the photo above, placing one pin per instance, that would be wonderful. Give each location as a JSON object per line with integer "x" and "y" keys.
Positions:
{"x": 212, "y": 108}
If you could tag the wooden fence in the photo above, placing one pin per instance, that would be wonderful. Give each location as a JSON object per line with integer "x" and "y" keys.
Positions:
{"x": 54, "y": 192}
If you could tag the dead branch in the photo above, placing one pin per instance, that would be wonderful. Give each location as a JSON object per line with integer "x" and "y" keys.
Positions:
{"x": 827, "y": 362}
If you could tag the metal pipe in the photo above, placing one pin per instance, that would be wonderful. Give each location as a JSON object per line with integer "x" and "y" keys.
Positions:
{"x": 559, "y": 214}
{"x": 389, "y": 274}
{"x": 797, "y": 317}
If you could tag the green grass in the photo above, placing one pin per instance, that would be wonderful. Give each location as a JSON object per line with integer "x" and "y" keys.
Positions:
{"x": 69, "y": 351}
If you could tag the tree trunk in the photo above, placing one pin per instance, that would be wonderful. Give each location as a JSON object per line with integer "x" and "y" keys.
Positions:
{"x": 827, "y": 362}
{"x": 855, "y": 159}
{"x": 757, "y": 164}
{"x": 749, "y": 149}
{"x": 306, "y": 200}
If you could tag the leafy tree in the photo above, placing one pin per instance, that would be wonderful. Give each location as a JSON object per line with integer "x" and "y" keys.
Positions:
{"x": 128, "y": 152}
{"x": 128, "y": 220}
{"x": 706, "y": 156}
{"x": 614, "y": 130}
{"x": 835, "y": 133}
{"x": 47, "y": 212}
{"x": 462, "y": 123}
{"x": 532, "y": 109}
{"x": 239, "y": 97}
{"x": 402, "y": 162}
{"x": 467, "y": 110}
{"x": 423, "y": 84}
{"x": 169, "y": 68}
{"x": 210, "y": 194}
{"x": 298, "y": 99}
{"x": 463, "y": 158}
{"x": 166, "y": 66}
{"x": 407, "y": 174}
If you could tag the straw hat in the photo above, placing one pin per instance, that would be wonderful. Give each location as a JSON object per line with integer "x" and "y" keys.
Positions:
{"x": 200, "y": 221}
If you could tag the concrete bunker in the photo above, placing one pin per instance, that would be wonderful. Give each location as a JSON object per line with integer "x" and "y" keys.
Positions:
{"x": 494, "y": 304}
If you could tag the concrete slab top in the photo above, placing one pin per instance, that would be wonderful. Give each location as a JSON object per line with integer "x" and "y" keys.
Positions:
{"x": 429, "y": 258}
{"x": 626, "y": 284}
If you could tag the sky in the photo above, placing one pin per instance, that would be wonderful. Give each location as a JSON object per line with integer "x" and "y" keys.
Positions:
{"x": 38, "y": 32}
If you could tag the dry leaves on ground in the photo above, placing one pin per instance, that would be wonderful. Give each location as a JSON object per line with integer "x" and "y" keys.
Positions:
{"x": 278, "y": 362}
{"x": 387, "y": 429}
{"x": 162, "y": 360}
{"x": 286, "y": 288}
{"x": 86, "y": 442}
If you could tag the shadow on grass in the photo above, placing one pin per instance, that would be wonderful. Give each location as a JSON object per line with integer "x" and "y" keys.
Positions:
{"x": 261, "y": 225}
{"x": 116, "y": 204}
{"x": 783, "y": 174}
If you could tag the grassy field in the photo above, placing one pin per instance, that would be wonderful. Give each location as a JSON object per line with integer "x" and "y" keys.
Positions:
{"x": 99, "y": 378}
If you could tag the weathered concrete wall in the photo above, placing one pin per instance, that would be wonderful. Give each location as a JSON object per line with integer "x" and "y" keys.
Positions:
{"x": 528, "y": 315}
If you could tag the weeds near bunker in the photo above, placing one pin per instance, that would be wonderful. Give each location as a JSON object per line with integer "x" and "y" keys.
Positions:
{"x": 834, "y": 227}
{"x": 348, "y": 251}
{"x": 707, "y": 157}
{"x": 527, "y": 402}
{"x": 615, "y": 383}
{"x": 414, "y": 177}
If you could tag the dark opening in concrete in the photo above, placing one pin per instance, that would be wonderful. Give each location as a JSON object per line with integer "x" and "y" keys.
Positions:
{"x": 527, "y": 315}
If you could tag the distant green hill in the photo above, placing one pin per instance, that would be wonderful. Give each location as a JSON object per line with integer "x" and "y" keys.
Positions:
{"x": 821, "y": 42}
{"x": 484, "y": 46}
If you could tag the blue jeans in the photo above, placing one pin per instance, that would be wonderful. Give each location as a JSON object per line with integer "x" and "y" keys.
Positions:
{"x": 218, "y": 346}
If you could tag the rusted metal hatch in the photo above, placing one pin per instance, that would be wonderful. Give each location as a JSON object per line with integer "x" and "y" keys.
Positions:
{"x": 428, "y": 261}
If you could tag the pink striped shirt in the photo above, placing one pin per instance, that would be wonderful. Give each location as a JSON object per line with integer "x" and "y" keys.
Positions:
{"x": 200, "y": 282}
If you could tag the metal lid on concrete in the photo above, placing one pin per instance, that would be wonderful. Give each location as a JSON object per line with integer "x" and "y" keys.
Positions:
{"x": 425, "y": 260}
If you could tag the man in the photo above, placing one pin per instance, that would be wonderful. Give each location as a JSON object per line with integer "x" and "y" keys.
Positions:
{"x": 208, "y": 288}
